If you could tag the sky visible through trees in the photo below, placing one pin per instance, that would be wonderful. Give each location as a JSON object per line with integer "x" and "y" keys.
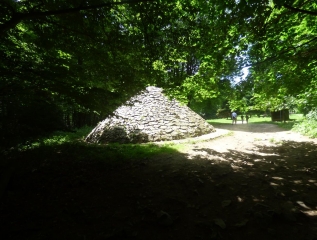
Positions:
{"x": 245, "y": 72}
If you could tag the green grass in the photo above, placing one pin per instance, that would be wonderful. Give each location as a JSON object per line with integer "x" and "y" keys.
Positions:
{"x": 273, "y": 140}
{"x": 306, "y": 127}
{"x": 57, "y": 138}
{"x": 252, "y": 120}
{"x": 294, "y": 118}
{"x": 70, "y": 146}
{"x": 297, "y": 123}
{"x": 289, "y": 125}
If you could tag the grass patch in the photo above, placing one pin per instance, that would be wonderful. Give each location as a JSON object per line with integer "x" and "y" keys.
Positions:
{"x": 56, "y": 138}
{"x": 294, "y": 118}
{"x": 219, "y": 121}
{"x": 80, "y": 154}
{"x": 252, "y": 120}
{"x": 297, "y": 123}
{"x": 230, "y": 133}
{"x": 273, "y": 140}
{"x": 286, "y": 125}
{"x": 70, "y": 147}
{"x": 289, "y": 125}
{"x": 54, "y": 141}
{"x": 306, "y": 127}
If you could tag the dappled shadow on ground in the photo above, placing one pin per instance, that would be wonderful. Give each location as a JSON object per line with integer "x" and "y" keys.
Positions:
{"x": 254, "y": 128}
{"x": 265, "y": 194}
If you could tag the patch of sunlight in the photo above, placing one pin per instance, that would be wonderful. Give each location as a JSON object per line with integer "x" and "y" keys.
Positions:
{"x": 312, "y": 181}
{"x": 238, "y": 160}
{"x": 234, "y": 167}
{"x": 293, "y": 190}
{"x": 215, "y": 158}
{"x": 278, "y": 178}
{"x": 274, "y": 184}
{"x": 202, "y": 153}
{"x": 310, "y": 213}
{"x": 302, "y": 204}
{"x": 298, "y": 181}
{"x": 240, "y": 199}
{"x": 257, "y": 200}
{"x": 267, "y": 154}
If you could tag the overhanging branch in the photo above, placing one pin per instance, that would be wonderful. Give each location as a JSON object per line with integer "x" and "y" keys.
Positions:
{"x": 275, "y": 57}
{"x": 19, "y": 17}
{"x": 299, "y": 10}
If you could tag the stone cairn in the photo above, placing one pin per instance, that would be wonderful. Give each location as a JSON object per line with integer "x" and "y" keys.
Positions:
{"x": 150, "y": 117}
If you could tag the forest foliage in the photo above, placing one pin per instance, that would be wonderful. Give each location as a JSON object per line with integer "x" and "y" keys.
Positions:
{"x": 66, "y": 64}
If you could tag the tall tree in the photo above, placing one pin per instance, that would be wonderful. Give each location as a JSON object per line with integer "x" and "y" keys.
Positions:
{"x": 282, "y": 49}
{"x": 89, "y": 56}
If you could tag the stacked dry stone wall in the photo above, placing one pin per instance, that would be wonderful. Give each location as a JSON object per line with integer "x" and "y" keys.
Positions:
{"x": 150, "y": 117}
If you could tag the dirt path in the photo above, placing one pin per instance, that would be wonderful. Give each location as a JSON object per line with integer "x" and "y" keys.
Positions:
{"x": 264, "y": 178}
{"x": 243, "y": 182}
{"x": 249, "y": 137}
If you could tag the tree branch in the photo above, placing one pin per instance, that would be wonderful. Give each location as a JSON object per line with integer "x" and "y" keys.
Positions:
{"x": 299, "y": 10}
{"x": 19, "y": 17}
{"x": 275, "y": 57}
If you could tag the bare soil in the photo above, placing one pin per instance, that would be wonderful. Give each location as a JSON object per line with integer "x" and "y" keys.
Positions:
{"x": 250, "y": 181}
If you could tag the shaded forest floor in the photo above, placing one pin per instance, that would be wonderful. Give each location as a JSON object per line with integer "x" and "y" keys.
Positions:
{"x": 258, "y": 182}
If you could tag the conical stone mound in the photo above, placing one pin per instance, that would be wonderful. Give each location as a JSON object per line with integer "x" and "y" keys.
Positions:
{"x": 150, "y": 117}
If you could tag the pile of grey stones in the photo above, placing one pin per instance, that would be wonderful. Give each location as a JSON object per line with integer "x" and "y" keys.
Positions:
{"x": 150, "y": 117}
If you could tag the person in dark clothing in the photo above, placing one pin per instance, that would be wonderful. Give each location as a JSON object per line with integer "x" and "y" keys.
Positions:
{"x": 247, "y": 118}
{"x": 234, "y": 117}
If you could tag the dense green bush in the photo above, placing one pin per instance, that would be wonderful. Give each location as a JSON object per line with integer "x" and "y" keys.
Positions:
{"x": 312, "y": 114}
{"x": 308, "y": 126}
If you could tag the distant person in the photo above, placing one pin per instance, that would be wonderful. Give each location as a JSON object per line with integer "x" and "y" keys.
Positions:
{"x": 247, "y": 118}
{"x": 242, "y": 118}
{"x": 234, "y": 117}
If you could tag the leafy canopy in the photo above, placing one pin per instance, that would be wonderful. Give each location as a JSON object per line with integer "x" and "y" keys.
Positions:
{"x": 90, "y": 56}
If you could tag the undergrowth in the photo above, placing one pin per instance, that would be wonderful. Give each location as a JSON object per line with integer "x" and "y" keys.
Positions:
{"x": 306, "y": 127}
{"x": 60, "y": 137}
{"x": 71, "y": 146}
